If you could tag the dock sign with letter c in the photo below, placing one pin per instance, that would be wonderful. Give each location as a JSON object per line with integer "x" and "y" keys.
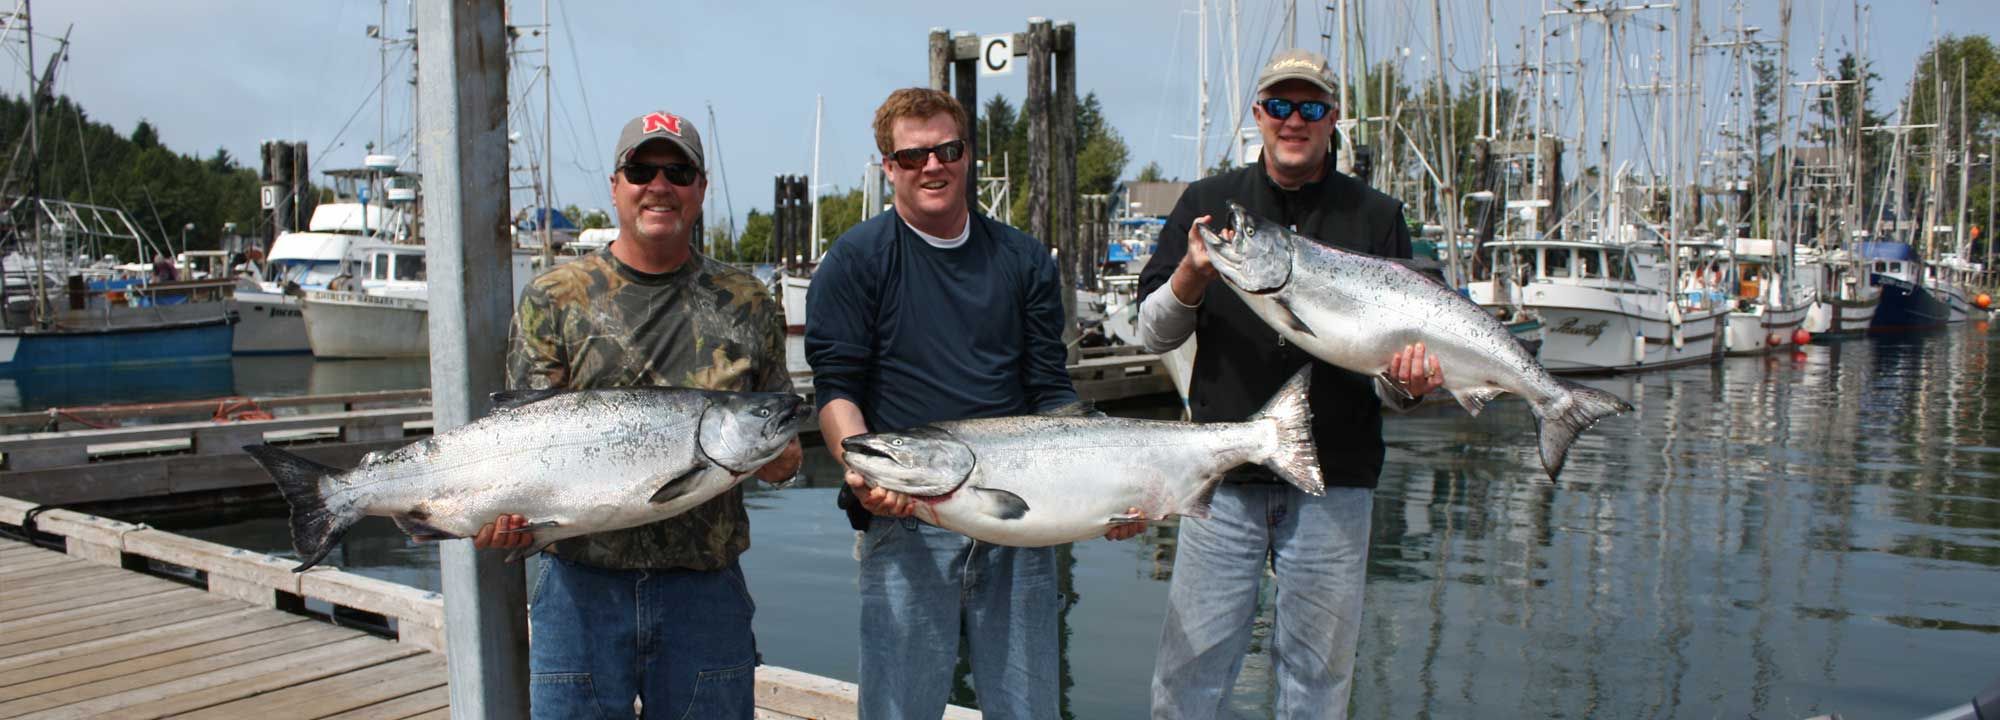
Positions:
{"x": 996, "y": 54}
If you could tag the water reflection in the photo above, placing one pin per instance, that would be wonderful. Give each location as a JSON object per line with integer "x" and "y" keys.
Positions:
{"x": 254, "y": 375}
{"x": 1781, "y": 536}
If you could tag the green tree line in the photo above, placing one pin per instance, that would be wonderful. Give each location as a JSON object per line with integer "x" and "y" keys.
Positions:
{"x": 163, "y": 191}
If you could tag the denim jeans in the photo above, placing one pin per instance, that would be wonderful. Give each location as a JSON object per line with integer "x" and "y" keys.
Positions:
{"x": 678, "y": 639}
{"x": 920, "y": 587}
{"x": 1318, "y": 549}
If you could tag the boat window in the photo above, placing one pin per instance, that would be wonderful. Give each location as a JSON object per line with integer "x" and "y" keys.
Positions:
{"x": 410, "y": 267}
{"x": 378, "y": 266}
{"x": 1896, "y": 267}
{"x": 1555, "y": 262}
{"x": 1618, "y": 265}
{"x": 1593, "y": 263}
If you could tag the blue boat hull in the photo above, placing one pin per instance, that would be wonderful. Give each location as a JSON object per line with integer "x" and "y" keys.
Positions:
{"x": 1907, "y": 306}
{"x": 24, "y": 352}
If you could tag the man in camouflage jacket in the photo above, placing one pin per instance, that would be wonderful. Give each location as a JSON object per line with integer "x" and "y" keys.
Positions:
{"x": 660, "y": 611}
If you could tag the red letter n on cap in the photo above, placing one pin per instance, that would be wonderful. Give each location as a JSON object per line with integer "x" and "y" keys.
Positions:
{"x": 658, "y": 121}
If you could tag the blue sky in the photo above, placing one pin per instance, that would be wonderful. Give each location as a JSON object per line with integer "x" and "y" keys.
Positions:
{"x": 227, "y": 73}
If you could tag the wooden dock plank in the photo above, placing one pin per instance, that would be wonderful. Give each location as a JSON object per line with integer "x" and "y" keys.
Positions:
{"x": 440, "y": 714}
{"x": 92, "y": 646}
{"x": 56, "y": 577}
{"x": 268, "y": 675}
{"x": 213, "y": 638}
{"x": 68, "y": 621}
{"x": 339, "y": 693}
{"x": 116, "y": 629}
{"x": 130, "y": 586}
{"x": 192, "y": 686}
{"x": 30, "y": 563}
{"x": 103, "y": 686}
{"x": 436, "y": 698}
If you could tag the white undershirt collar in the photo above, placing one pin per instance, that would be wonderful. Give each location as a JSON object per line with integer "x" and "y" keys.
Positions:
{"x": 939, "y": 242}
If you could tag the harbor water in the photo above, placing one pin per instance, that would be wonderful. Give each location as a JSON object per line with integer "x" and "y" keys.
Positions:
{"x": 1773, "y": 537}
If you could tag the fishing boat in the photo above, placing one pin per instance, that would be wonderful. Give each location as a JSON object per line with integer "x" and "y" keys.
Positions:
{"x": 62, "y": 313}
{"x": 1907, "y": 301}
{"x": 1770, "y": 305}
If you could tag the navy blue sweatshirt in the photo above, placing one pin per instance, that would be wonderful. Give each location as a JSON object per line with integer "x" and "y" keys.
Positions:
{"x": 914, "y": 334}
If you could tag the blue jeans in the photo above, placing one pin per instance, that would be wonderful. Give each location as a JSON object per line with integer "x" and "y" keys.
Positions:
{"x": 678, "y": 639}
{"x": 1318, "y": 548}
{"x": 920, "y": 586}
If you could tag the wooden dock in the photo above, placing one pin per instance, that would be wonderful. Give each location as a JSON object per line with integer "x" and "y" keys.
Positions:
{"x": 85, "y": 634}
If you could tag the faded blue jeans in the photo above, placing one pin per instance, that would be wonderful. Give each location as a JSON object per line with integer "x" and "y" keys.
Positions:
{"x": 1318, "y": 548}
{"x": 920, "y": 585}
{"x": 678, "y": 639}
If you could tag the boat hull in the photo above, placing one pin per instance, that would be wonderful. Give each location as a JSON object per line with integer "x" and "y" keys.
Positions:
{"x": 347, "y": 325}
{"x": 1764, "y": 329}
{"x": 24, "y": 351}
{"x": 1582, "y": 340}
{"x": 1906, "y": 306}
{"x": 270, "y": 324}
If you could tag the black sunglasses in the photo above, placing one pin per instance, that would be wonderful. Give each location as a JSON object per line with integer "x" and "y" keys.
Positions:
{"x": 681, "y": 174}
{"x": 1280, "y": 108}
{"x": 915, "y": 158}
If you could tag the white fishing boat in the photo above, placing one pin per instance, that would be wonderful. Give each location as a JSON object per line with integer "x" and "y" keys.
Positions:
{"x": 1844, "y": 302}
{"x": 1603, "y": 307}
{"x": 1770, "y": 306}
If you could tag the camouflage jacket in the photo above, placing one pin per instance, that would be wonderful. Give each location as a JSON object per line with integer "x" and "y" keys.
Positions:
{"x": 598, "y": 323}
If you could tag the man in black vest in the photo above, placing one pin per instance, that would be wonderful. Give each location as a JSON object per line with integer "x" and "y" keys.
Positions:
{"x": 1316, "y": 546}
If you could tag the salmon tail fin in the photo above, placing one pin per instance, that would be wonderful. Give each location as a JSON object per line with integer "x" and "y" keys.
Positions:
{"x": 316, "y": 524}
{"x": 1566, "y": 416}
{"x": 1295, "y": 458}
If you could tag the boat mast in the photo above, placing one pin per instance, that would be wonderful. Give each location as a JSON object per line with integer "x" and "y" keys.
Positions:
{"x": 812, "y": 183}
{"x": 1201, "y": 92}
{"x": 34, "y": 171}
{"x": 548, "y": 190}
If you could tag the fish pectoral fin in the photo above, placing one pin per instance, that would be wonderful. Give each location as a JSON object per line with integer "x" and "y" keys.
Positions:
{"x": 680, "y": 485}
{"x": 421, "y": 531}
{"x": 520, "y": 554}
{"x": 1390, "y": 382}
{"x": 533, "y": 525}
{"x": 1292, "y": 319}
{"x": 1127, "y": 518}
{"x": 1002, "y": 504}
{"x": 1474, "y": 400}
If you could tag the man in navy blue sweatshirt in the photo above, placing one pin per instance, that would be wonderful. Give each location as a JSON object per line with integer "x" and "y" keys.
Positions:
{"x": 926, "y": 314}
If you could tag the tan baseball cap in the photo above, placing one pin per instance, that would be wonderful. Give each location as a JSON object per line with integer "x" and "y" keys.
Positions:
{"x": 660, "y": 125}
{"x": 1297, "y": 64}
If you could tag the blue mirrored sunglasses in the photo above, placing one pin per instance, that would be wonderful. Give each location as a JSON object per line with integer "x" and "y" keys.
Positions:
{"x": 1280, "y": 108}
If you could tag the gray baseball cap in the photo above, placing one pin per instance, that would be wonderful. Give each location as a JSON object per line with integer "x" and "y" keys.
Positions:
{"x": 1297, "y": 64}
{"x": 660, "y": 125}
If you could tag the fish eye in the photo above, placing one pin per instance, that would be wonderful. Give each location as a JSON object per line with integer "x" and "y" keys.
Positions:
{"x": 763, "y": 412}
{"x": 898, "y": 442}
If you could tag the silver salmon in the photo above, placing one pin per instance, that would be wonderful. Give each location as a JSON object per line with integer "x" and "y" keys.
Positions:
{"x": 1356, "y": 311}
{"x": 1032, "y": 481}
{"x": 571, "y": 462}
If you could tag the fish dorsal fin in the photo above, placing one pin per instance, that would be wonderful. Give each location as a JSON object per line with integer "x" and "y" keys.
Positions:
{"x": 680, "y": 485}
{"x": 1002, "y": 504}
{"x": 1075, "y": 408}
{"x": 509, "y": 399}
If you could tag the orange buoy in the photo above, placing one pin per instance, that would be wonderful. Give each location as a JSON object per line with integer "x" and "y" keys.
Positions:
{"x": 1984, "y": 301}
{"x": 1801, "y": 337}
{"x": 1775, "y": 339}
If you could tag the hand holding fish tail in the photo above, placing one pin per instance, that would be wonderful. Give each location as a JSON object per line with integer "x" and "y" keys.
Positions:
{"x": 1126, "y": 531}
{"x": 888, "y": 503}
{"x": 504, "y": 533}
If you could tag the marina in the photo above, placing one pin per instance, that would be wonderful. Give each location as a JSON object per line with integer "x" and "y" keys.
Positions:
{"x": 1752, "y": 540}
{"x": 1755, "y": 240}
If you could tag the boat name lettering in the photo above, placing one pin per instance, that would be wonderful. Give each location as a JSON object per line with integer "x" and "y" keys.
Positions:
{"x": 1571, "y": 326}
